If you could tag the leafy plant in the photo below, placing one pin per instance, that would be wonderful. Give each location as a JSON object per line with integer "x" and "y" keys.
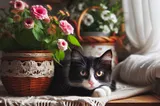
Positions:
{"x": 108, "y": 19}
{"x": 33, "y": 28}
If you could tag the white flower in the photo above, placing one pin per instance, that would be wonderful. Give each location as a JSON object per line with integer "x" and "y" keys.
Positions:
{"x": 105, "y": 15}
{"x": 100, "y": 23}
{"x": 103, "y": 6}
{"x": 62, "y": 44}
{"x": 113, "y": 18}
{"x": 88, "y": 19}
{"x": 115, "y": 30}
{"x": 111, "y": 26}
{"x": 81, "y": 6}
{"x": 105, "y": 28}
{"x": 101, "y": 27}
{"x": 93, "y": 9}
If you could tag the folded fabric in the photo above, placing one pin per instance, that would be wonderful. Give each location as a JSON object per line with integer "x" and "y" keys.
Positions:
{"x": 141, "y": 70}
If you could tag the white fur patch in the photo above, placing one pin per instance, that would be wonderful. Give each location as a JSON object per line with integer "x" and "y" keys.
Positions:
{"x": 102, "y": 92}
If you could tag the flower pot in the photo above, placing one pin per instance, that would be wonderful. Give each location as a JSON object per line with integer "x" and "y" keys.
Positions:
{"x": 27, "y": 73}
{"x": 97, "y": 49}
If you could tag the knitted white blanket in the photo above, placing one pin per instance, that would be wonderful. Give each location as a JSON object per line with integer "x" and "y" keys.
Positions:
{"x": 123, "y": 91}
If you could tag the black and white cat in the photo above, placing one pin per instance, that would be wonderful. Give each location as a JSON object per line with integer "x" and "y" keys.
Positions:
{"x": 91, "y": 73}
{"x": 84, "y": 76}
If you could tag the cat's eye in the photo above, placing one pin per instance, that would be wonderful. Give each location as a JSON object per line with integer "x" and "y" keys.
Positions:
{"x": 99, "y": 73}
{"x": 83, "y": 73}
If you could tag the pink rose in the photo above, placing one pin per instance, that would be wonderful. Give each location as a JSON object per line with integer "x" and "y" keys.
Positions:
{"x": 39, "y": 12}
{"x": 29, "y": 23}
{"x": 66, "y": 27}
{"x": 19, "y": 5}
{"x": 62, "y": 44}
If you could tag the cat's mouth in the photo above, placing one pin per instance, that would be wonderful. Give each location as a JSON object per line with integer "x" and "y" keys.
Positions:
{"x": 90, "y": 86}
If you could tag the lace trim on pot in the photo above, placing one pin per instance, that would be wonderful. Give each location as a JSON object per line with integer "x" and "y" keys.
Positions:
{"x": 30, "y": 68}
{"x": 28, "y": 54}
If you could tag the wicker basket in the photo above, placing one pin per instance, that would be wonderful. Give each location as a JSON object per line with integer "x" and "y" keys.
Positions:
{"x": 97, "y": 45}
{"x": 27, "y": 73}
{"x": 92, "y": 39}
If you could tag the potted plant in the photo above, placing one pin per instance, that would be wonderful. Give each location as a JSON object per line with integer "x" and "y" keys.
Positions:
{"x": 31, "y": 39}
{"x": 98, "y": 24}
{"x": 107, "y": 18}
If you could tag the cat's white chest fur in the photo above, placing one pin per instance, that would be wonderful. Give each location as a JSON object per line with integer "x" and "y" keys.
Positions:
{"x": 102, "y": 92}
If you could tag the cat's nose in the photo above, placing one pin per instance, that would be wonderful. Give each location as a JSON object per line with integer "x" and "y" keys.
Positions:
{"x": 91, "y": 82}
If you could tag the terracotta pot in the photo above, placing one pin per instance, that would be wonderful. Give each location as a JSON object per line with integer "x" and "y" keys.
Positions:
{"x": 27, "y": 73}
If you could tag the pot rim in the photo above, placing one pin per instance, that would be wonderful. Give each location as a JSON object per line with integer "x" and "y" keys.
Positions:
{"x": 30, "y": 51}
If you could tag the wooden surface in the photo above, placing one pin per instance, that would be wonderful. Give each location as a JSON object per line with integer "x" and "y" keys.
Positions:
{"x": 141, "y": 100}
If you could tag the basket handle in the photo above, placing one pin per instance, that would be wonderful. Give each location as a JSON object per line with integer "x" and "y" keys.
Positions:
{"x": 81, "y": 18}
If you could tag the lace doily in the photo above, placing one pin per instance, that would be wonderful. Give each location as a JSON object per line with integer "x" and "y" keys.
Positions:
{"x": 55, "y": 101}
{"x": 30, "y": 68}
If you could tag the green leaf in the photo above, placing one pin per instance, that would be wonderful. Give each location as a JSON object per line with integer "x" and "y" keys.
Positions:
{"x": 38, "y": 33}
{"x": 26, "y": 14}
{"x": 59, "y": 54}
{"x": 48, "y": 39}
{"x": 39, "y": 24}
{"x": 27, "y": 39}
{"x": 73, "y": 40}
{"x": 57, "y": 22}
{"x": 52, "y": 46}
{"x": 9, "y": 20}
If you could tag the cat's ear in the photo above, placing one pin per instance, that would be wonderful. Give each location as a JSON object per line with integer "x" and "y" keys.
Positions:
{"x": 76, "y": 55}
{"x": 107, "y": 56}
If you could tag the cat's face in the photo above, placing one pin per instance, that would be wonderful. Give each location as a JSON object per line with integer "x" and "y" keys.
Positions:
{"x": 90, "y": 72}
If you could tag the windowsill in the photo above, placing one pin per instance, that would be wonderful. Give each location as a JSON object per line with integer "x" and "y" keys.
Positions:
{"x": 141, "y": 100}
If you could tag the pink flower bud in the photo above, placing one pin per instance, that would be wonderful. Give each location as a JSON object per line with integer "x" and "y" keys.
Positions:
{"x": 47, "y": 20}
{"x": 17, "y": 18}
{"x": 66, "y": 27}
{"x": 51, "y": 30}
{"x": 12, "y": 2}
{"x": 29, "y": 23}
{"x": 62, "y": 44}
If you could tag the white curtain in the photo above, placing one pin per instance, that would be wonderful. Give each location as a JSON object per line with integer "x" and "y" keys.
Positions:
{"x": 142, "y": 20}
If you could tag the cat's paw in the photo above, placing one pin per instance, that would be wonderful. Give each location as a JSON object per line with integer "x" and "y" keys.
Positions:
{"x": 102, "y": 92}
